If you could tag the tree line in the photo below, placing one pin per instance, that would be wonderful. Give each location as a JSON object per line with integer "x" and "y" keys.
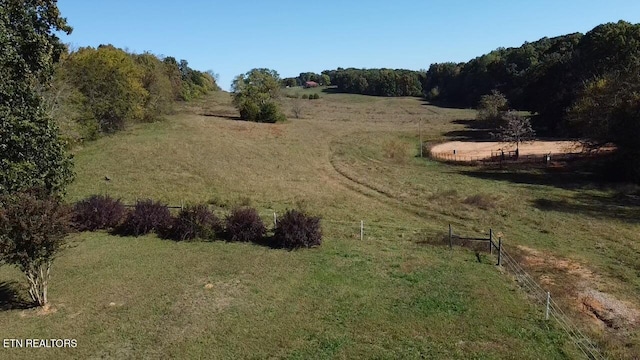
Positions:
{"x": 97, "y": 91}
{"x": 575, "y": 85}
{"x": 321, "y": 79}
{"x": 378, "y": 82}
{"x": 545, "y": 77}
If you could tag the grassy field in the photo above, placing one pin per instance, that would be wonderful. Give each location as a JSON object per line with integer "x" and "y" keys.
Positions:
{"x": 348, "y": 158}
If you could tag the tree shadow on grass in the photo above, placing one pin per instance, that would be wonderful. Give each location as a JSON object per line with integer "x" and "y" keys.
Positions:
{"x": 617, "y": 206}
{"x": 476, "y": 130}
{"x": 444, "y": 104}
{"x": 224, "y": 116}
{"x": 332, "y": 90}
{"x": 569, "y": 180}
{"x": 268, "y": 241}
{"x": 612, "y": 202}
{"x": 11, "y": 297}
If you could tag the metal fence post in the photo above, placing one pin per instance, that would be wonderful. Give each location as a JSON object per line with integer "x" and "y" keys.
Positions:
{"x": 450, "y": 236}
{"x": 361, "y": 229}
{"x": 548, "y": 303}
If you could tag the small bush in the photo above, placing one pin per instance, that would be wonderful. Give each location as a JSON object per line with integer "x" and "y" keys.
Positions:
{"x": 305, "y": 96}
{"x": 98, "y": 212}
{"x": 147, "y": 216}
{"x": 244, "y": 224}
{"x": 297, "y": 108}
{"x": 297, "y": 229}
{"x": 195, "y": 222}
{"x": 314, "y": 96}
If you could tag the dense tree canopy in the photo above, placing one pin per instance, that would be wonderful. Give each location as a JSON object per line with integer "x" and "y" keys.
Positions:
{"x": 576, "y": 85}
{"x": 544, "y": 77}
{"x": 111, "y": 83}
{"x": 255, "y": 94}
{"x": 379, "y": 82}
{"x": 101, "y": 90}
{"x": 31, "y": 153}
{"x": 608, "y": 111}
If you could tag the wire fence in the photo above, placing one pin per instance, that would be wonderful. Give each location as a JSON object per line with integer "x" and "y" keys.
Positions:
{"x": 496, "y": 157}
{"x": 534, "y": 290}
{"x": 539, "y": 295}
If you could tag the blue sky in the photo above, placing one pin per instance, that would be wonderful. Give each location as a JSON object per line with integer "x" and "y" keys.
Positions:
{"x": 231, "y": 37}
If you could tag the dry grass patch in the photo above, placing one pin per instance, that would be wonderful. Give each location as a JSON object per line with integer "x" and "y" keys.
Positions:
{"x": 396, "y": 151}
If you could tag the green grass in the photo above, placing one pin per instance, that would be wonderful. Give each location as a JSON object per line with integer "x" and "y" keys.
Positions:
{"x": 384, "y": 297}
{"x": 346, "y": 300}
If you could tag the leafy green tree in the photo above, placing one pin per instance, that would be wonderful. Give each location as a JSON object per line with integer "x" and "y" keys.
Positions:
{"x": 31, "y": 152}
{"x": 111, "y": 84}
{"x": 63, "y": 103}
{"x": 608, "y": 111}
{"x": 195, "y": 83}
{"x": 492, "y": 107}
{"x": 289, "y": 82}
{"x": 255, "y": 95}
{"x": 172, "y": 70}
{"x": 325, "y": 80}
{"x": 159, "y": 94}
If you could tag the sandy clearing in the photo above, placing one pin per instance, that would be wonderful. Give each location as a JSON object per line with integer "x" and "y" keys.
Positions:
{"x": 479, "y": 150}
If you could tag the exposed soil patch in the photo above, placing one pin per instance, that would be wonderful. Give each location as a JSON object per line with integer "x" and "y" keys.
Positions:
{"x": 578, "y": 285}
{"x": 609, "y": 311}
{"x": 39, "y": 311}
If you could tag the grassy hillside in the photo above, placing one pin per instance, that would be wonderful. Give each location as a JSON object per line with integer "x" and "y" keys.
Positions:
{"x": 349, "y": 158}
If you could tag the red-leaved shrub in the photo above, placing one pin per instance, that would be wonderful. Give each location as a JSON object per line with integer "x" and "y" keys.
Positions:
{"x": 244, "y": 224}
{"x": 296, "y": 230}
{"x": 97, "y": 212}
{"x": 195, "y": 222}
{"x": 147, "y": 216}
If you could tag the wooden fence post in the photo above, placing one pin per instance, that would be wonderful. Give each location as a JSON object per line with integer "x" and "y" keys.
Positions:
{"x": 499, "y": 251}
{"x": 361, "y": 229}
{"x": 450, "y": 236}
{"x": 275, "y": 220}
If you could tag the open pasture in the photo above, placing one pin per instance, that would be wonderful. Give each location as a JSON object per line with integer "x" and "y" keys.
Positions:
{"x": 348, "y": 158}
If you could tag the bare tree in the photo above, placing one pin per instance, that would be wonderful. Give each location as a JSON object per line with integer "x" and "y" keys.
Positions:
{"x": 297, "y": 108}
{"x": 516, "y": 129}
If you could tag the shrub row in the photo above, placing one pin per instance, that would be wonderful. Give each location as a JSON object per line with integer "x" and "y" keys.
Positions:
{"x": 294, "y": 230}
{"x": 304, "y": 96}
